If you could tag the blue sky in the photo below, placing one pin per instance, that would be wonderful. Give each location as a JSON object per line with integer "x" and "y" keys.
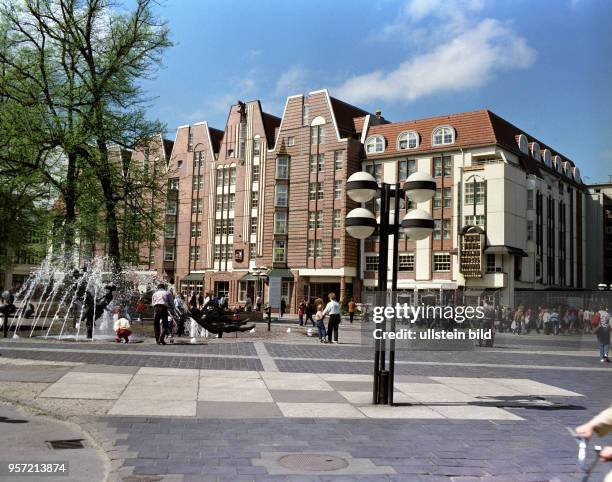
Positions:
{"x": 546, "y": 66}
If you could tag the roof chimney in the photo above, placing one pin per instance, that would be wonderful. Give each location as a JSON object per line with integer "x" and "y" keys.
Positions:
{"x": 378, "y": 113}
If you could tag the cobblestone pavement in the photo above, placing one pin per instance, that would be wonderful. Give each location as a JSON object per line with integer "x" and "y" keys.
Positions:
{"x": 534, "y": 446}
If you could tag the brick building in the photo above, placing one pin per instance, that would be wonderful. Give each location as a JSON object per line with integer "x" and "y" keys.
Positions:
{"x": 269, "y": 193}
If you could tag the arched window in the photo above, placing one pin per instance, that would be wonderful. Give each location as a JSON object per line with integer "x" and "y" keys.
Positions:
{"x": 408, "y": 140}
{"x": 546, "y": 157}
{"x": 535, "y": 151}
{"x": 523, "y": 145}
{"x": 577, "y": 174}
{"x": 375, "y": 145}
{"x": 443, "y": 135}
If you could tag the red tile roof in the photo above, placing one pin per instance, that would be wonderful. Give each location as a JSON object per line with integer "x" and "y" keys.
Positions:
{"x": 473, "y": 129}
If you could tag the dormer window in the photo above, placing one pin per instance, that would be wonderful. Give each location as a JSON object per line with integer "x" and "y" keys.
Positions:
{"x": 375, "y": 145}
{"x": 546, "y": 157}
{"x": 443, "y": 135}
{"x": 408, "y": 140}
{"x": 523, "y": 145}
{"x": 535, "y": 151}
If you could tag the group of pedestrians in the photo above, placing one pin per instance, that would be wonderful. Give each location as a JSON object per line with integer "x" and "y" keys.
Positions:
{"x": 316, "y": 311}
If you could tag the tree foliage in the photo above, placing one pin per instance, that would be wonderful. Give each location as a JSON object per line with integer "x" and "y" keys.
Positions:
{"x": 71, "y": 75}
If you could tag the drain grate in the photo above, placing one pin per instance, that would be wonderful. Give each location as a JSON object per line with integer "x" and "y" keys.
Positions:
{"x": 313, "y": 462}
{"x": 76, "y": 443}
{"x": 141, "y": 478}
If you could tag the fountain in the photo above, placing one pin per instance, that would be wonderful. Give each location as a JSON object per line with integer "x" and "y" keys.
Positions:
{"x": 60, "y": 302}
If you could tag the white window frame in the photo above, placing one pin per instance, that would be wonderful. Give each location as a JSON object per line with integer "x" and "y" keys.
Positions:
{"x": 279, "y": 247}
{"x": 280, "y": 222}
{"x": 279, "y": 195}
{"x": 282, "y": 172}
{"x": 410, "y": 137}
{"x": 336, "y": 248}
{"x": 406, "y": 262}
{"x": 371, "y": 262}
{"x": 375, "y": 145}
{"x": 445, "y": 261}
{"x": 440, "y": 136}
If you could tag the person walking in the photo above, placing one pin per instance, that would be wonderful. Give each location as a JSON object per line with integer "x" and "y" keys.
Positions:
{"x": 283, "y": 307}
{"x": 162, "y": 303}
{"x": 180, "y": 309}
{"x": 555, "y": 321}
{"x": 351, "y": 309}
{"x": 310, "y": 308}
{"x": 333, "y": 310}
{"x": 603, "y": 335}
{"x": 193, "y": 301}
{"x": 258, "y": 303}
{"x": 200, "y": 300}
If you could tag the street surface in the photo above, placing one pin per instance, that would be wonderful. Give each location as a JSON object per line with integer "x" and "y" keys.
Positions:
{"x": 231, "y": 409}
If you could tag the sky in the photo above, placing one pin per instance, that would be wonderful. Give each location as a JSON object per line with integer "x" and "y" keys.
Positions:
{"x": 544, "y": 65}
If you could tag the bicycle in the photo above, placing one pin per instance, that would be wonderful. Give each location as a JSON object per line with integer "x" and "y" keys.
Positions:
{"x": 586, "y": 466}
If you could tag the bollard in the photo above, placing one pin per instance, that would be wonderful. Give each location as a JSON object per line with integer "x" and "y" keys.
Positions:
{"x": 269, "y": 315}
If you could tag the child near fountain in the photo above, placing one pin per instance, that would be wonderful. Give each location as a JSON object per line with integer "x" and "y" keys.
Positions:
{"x": 122, "y": 328}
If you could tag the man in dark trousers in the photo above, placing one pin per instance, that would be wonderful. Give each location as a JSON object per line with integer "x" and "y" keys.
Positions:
{"x": 333, "y": 310}
{"x": 162, "y": 302}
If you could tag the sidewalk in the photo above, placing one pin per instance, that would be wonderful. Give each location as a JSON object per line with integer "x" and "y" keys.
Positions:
{"x": 25, "y": 439}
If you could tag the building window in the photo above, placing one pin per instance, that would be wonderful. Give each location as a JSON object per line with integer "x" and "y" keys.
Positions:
{"x": 405, "y": 168}
{"x": 317, "y": 134}
{"x": 219, "y": 202}
{"x": 280, "y": 195}
{"x": 280, "y": 222}
{"x": 315, "y": 191}
{"x": 319, "y": 223}
{"x": 336, "y": 248}
{"x": 232, "y": 176}
{"x": 529, "y": 198}
{"x": 317, "y": 163}
{"x": 256, "y": 146}
{"x": 338, "y": 161}
{"x": 408, "y": 140}
{"x": 253, "y": 224}
{"x": 337, "y": 219}
{"x": 474, "y": 192}
{"x": 280, "y": 251}
{"x": 170, "y": 231}
{"x": 337, "y": 189}
{"x": 256, "y": 173}
{"x": 219, "y": 177}
{"x": 194, "y": 253}
{"x": 218, "y": 227}
{"x": 312, "y": 221}
{"x": 477, "y": 220}
{"x": 282, "y": 167}
{"x": 168, "y": 253}
{"x": 375, "y": 145}
{"x": 199, "y": 159}
{"x": 173, "y": 184}
{"x": 196, "y": 230}
{"x": 491, "y": 263}
{"x": 375, "y": 170}
{"x": 252, "y": 250}
{"x": 310, "y": 248}
{"x": 190, "y": 140}
{"x": 291, "y": 141}
{"x": 254, "y": 199}
{"x": 441, "y": 262}
{"x": 231, "y": 205}
{"x": 197, "y": 183}
{"x": 441, "y": 229}
{"x": 371, "y": 262}
{"x": 171, "y": 208}
{"x": 442, "y": 165}
{"x": 443, "y": 135}
{"x": 406, "y": 262}
{"x": 305, "y": 120}
{"x": 196, "y": 206}
{"x": 319, "y": 248}
{"x": 529, "y": 230}
{"x": 442, "y": 198}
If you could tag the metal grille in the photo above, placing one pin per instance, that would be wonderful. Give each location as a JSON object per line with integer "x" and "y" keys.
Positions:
{"x": 66, "y": 444}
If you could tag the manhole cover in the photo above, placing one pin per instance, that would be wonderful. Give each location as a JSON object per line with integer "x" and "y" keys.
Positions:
{"x": 314, "y": 462}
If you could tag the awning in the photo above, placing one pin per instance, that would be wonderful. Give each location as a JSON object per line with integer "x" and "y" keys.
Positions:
{"x": 280, "y": 273}
{"x": 249, "y": 277}
{"x": 193, "y": 277}
{"x": 504, "y": 249}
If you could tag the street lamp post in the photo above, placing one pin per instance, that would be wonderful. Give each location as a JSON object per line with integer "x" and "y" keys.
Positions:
{"x": 361, "y": 223}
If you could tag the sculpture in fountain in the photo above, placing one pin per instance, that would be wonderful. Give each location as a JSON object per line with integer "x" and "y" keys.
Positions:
{"x": 7, "y": 308}
{"x": 218, "y": 320}
{"x": 93, "y": 308}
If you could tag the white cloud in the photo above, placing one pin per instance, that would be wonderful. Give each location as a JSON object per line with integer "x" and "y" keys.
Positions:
{"x": 461, "y": 54}
{"x": 292, "y": 81}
